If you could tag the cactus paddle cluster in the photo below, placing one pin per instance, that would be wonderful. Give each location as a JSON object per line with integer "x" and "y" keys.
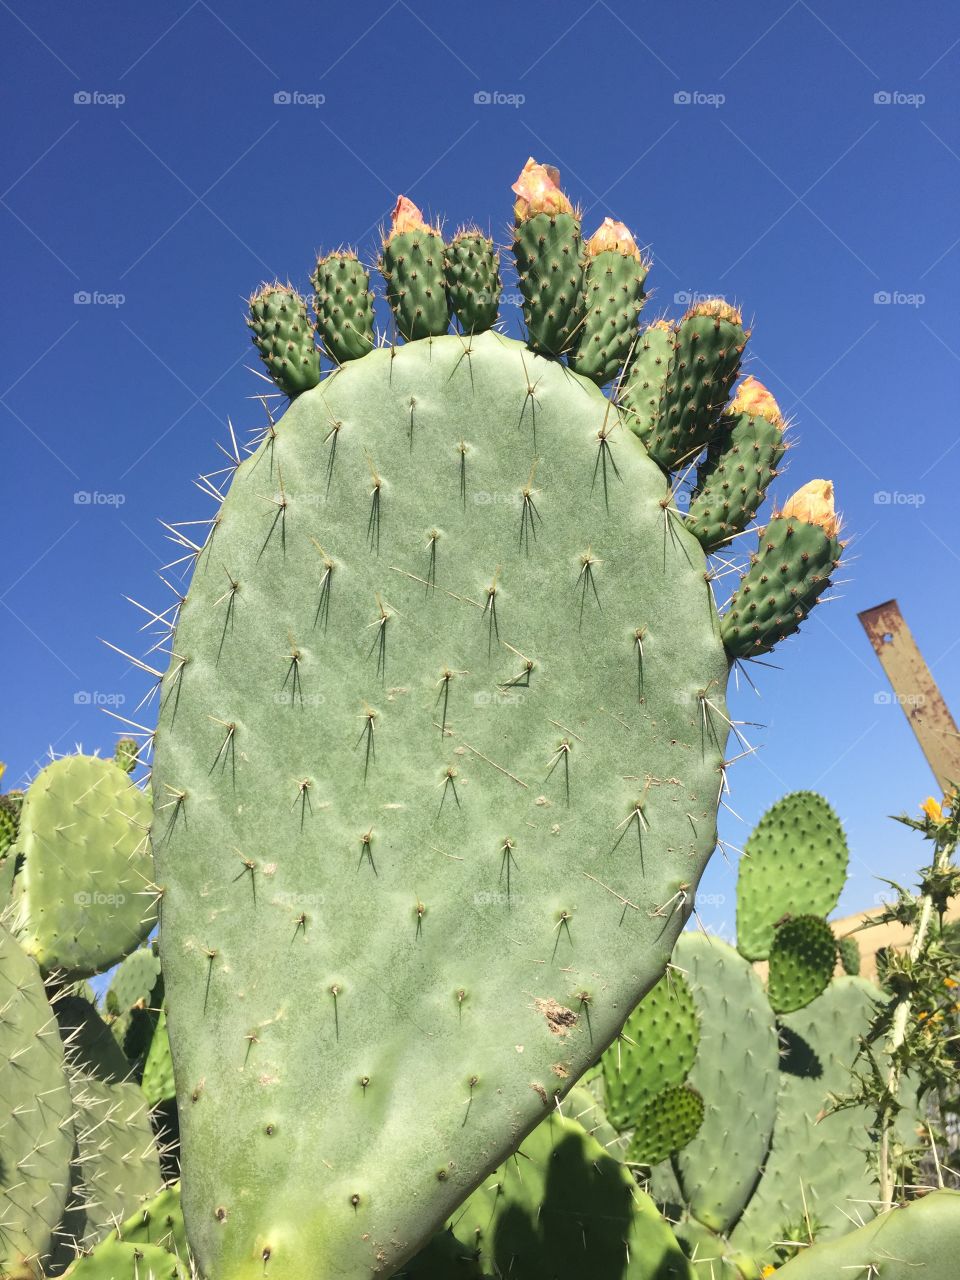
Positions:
{"x": 442, "y": 735}
{"x": 78, "y": 1150}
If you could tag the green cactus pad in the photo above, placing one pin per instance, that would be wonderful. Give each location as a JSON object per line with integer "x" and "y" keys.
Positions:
{"x": 734, "y": 1073}
{"x": 795, "y": 863}
{"x": 121, "y": 1260}
{"x": 562, "y": 1209}
{"x": 116, "y": 1164}
{"x": 412, "y": 267}
{"x": 788, "y": 573}
{"x": 547, "y": 252}
{"x": 849, "y": 951}
{"x": 83, "y": 897}
{"x": 132, "y": 1002}
{"x": 802, "y": 960}
{"x": 706, "y": 360}
{"x": 126, "y": 754}
{"x": 444, "y": 1258}
{"x": 159, "y": 1222}
{"x": 343, "y": 306}
{"x": 613, "y": 298}
{"x": 9, "y": 822}
{"x": 157, "y": 1082}
{"x": 817, "y": 1164}
{"x": 582, "y": 1105}
{"x": 471, "y": 268}
{"x": 282, "y": 333}
{"x": 656, "y": 1049}
{"x": 433, "y": 860}
{"x": 642, "y": 387}
{"x": 710, "y": 1255}
{"x": 36, "y": 1116}
{"x": 919, "y": 1241}
{"x": 665, "y": 1124}
{"x": 732, "y": 481}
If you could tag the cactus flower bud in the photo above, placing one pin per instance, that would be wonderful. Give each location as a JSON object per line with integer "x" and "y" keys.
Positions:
{"x": 538, "y": 191}
{"x": 752, "y": 397}
{"x": 406, "y": 217}
{"x": 717, "y": 307}
{"x": 614, "y": 236}
{"x": 813, "y": 504}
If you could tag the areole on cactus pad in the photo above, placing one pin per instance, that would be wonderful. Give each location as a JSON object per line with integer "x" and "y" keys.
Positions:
{"x": 439, "y": 750}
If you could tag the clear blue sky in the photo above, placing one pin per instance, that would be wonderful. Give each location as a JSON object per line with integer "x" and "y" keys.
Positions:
{"x": 783, "y": 184}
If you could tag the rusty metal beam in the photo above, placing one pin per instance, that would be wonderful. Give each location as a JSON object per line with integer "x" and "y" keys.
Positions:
{"x": 915, "y": 689}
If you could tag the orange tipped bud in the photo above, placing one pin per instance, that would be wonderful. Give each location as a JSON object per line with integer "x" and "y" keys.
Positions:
{"x": 612, "y": 235}
{"x": 538, "y": 191}
{"x": 716, "y": 307}
{"x": 663, "y": 324}
{"x": 753, "y": 398}
{"x": 813, "y": 504}
{"x": 406, "y": 217}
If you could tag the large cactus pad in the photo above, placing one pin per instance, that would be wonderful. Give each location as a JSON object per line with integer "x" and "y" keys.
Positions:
{"x": 424, "y": 837}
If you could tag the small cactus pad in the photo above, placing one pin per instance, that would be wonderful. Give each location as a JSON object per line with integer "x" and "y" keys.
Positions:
{"x": 36, "y": 1116}
{"x": 117, "y": 1166}
{"x": 159, "y": 1222}
{"x": 646, "y": 376}
{"x": 710, "y": 1255}
{"x": 795, "y": 863}
{"x": 121, "y": 1260}
{"x": 83, "y": 896}
{"x": 126, "y": 754}
{"x": 157, "y": 1082}
{"x": 665, "y": 1124}
{"x": 547, "y": 250}
{"x": 735, "y": 1074}
{"x": 613, "y": 275}
{"x": 471, "y": 268}
{"x": 802, "y": 960}
{"x": 833, "y": 1182}
{"x": 849, "y": 951}
{"x": 470, "y": 665}
{"x": 412, "y": 266}
{"x": 280, "y": 330}
{"x": 740, "y": 462}
{"x": 708, "y": 347}
{"x": 917, "y": 1240}
{"x": 655, "y": 1049}
{"x": 343, "y": 305}
{"x": 562, "y": 1209}
{"x": 797, "y": 553}
{"x": 130, "y": 1007}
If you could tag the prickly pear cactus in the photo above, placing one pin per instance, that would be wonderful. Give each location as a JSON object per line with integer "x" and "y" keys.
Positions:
{"x": 36, "y": 1120}
{"x": 437, "y": 760}
{"x": 83, "y": 896}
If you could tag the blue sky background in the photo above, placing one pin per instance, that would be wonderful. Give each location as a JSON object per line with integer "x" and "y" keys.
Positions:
{"x": 784, "y": 183}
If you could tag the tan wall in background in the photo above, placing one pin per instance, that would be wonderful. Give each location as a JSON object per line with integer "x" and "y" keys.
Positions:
{"x": 872, "y": 940}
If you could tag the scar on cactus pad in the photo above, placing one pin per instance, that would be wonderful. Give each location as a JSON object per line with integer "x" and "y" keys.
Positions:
{"x": 448, "y": 742}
